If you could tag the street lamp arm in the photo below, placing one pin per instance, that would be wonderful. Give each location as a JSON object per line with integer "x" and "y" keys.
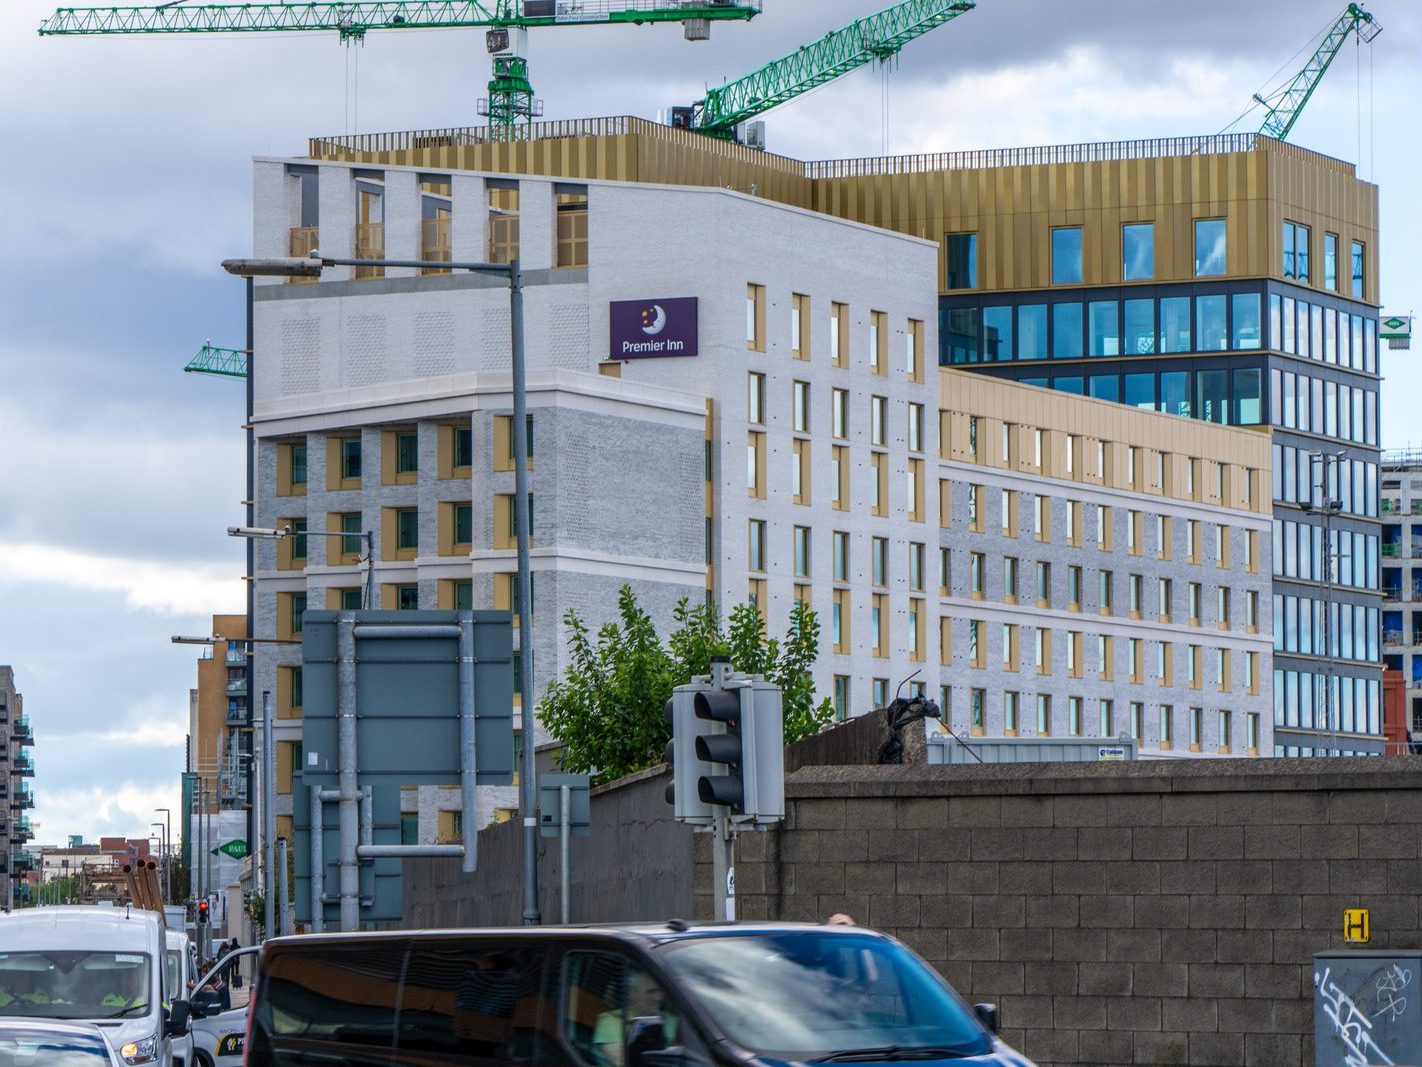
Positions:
{"x": 259, "y": 531}
{"x": 502, "y": 269}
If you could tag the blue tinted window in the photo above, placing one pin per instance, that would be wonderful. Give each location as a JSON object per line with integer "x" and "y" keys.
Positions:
{"x": 1105, "y": 328}
{"x": 960, "y": 335}
{"x": 1140, "y": 391}
{"x": 1066, "y": 331}
{"x": 1330, "y": 260}
{"x": 1276, "y": 320}
{"x": 1248, "y": 386}
{"x": 997, "y": 334}
{"x": 1303, "y": 345}
{"x": 1040, "y": 383}
{"x": 1212, "y": 395}
{"x": 1175, "y": 324}
{"x": 1210, "y": 324}
{"x": 1288, "y": 250}
{"x": 1209, "y": 247}
{"x": 1357, "y": 289}
{"x": 1032, "y": 331}
{"x": 1068, "y": 385}
{"x": 962, "y": 267}
{"x": 1175, "y": 393}
{"x": 1289, "y": 323}
{"x": 1066, "y": 256}
{"x": 1138, "y": 251}
{"x": 1140, "y": 328}
{"x": 1105, "y": 387}
{"x": 1244, "y": 327}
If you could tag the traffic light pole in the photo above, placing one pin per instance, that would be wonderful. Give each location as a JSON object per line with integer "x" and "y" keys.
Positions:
{"x": 723, "y": 866}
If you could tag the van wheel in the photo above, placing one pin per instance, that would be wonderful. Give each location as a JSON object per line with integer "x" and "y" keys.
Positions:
{"x": 202, "y": 1059}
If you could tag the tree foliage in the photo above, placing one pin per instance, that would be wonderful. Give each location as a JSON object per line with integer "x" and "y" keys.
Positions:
{"x": 607, "y": 709}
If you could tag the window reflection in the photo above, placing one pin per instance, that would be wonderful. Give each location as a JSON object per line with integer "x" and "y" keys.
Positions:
{"x": 1244, "y": 325}
{"x": 1175, "y": 393}
{"x": 1066, "y": 256}
{"x": 1212, "y": 395}
{"x": 1105, "y": 328}
{"x": 1140, "y": 391}
{"x": 1066, "y": 331}
{"x": 1105, "y": 387}
{"x": 1138, "y": 251}
{"x": 997, "y": 334}
{"x": 1032, "y": 331}
{"x": 1140, "y": 327}
{"x": 1210, "y": 324}
{"x": 1209, "y": 247}
{"x": 1175, "y": 324}
{"x": 962, "y": 267}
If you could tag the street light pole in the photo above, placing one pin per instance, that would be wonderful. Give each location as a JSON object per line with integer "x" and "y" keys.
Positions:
{"x": 311, "y": 266}
{"x": 167, "y": 854}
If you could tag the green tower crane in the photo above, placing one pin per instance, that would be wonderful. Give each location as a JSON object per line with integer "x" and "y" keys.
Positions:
{"x": 510, "y": 99}
{"x": 1285, "y": 106}
{"x": 875, "y": 37}
{"x": 223, "y": 362}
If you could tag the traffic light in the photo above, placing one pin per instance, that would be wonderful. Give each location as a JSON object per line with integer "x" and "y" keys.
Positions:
{"x": 727, "y": 749}
{"x": 202, "y": 911}
{"x": 686, "y": 767}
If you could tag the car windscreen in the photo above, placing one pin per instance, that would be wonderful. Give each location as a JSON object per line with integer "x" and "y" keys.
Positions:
{"x": 75, "y": 985}
{"x": 25, "y": 1046}
{"x": 808, "y": 994}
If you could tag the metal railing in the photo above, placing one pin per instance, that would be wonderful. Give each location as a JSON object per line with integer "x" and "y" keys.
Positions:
{"x": 365, "y": 144}
{"x": 1392, "y": 637}
{"x": 1402, "y": 457}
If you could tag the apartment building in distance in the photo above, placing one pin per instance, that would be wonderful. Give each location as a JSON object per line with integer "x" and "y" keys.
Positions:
{"x": 740, "y": 402}
{"x": 17, "y": 862}
{"x": 1402, "y": 574}
{"x": 219, "y": 739}
{"x": 1229, "y": 279}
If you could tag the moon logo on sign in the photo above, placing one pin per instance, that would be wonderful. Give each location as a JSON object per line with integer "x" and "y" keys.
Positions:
{"x": 654, "y": 320}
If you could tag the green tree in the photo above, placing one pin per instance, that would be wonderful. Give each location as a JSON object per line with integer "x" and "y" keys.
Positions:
{"x": 607, "y": 709}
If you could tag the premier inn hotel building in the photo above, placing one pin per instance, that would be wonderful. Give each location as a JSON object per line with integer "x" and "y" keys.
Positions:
{"x": 756, "y": 378}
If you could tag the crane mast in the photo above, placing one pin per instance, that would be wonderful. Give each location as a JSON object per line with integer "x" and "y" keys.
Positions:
{"x": 1288, "y": 104}
{"x": 875, "y": 37}
{"x": 510, "y": 99}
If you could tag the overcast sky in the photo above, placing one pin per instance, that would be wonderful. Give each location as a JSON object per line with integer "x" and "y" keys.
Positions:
{"x": 125, "y": 179}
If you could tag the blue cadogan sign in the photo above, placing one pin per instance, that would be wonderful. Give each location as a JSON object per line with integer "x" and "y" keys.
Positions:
{"x": 646, "y": 329}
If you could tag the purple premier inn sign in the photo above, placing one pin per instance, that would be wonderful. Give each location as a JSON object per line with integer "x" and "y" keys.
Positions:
{"x": 644, "y": 329}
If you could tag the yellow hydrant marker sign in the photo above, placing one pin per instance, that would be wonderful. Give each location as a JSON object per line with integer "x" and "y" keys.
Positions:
{"x": 1355, "y": 926}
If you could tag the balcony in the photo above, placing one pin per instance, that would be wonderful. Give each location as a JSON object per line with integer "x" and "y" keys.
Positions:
{"x": 237, "y": 687}
{"x": 23, "y": 766}
{"x": 236, "y": 654}
{"x": 237, "y": 714}
{"x": 1417, "y": 507}
{"x": 1392, "y": 591}
{"x": 1391, "y": 550}
{"x": 22, "y": 731}
{"x": 1392, "y": 638}
{"x": 21, "y": 861}
{"x": 22, "y": 799}
{"x": 21, "y": 831}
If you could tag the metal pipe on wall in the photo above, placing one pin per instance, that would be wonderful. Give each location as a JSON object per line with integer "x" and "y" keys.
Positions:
{"x": 268, "y": 797}
{"x": 468, "y": 744}
{"x": 349, "y": 863}
{"x": 318, "y": 863}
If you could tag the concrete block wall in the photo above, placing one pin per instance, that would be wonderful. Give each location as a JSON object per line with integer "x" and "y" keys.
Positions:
{"x": 1133, "y": 914}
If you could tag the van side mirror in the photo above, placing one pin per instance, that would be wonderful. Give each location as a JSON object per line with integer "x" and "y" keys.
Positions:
{"x": 205, "y": 1002}
{"x": 179, "y": 1016}
{"x": 987, "y": 1015}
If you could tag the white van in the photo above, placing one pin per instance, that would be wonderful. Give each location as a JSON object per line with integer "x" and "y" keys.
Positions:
{"x": 219, "y": 1009}
{"x": 101, "y": 965}
{"x": 180, "y": 961}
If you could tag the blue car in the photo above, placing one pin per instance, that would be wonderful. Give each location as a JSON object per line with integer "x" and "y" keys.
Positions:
{"x": 673, "y": 995}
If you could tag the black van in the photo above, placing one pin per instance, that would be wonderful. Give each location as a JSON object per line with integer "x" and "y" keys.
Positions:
{"x": 675, "y": 995}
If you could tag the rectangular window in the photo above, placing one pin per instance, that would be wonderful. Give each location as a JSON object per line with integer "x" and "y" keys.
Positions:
{"x": 1106, "y": 712}
{"x": 1067, "y": 331}
{"x": 1174, "y": 327}
{"x": 915, "y": 427}
{"x": 572, "y": 221}
{"x": 1103, "y": 592}
{"x": 1074, "y": 587}
{"x": 463, "y": 524}
{"x": 878, "y": 342}
{"x": 800, "y": 326}
{"x": 1167, "y": 726}
{"x": 755, "y": 398}
{"x": 878, "y": 407}
{"x": 839, "y": 413}
{"x": 1010, "y": 703}
{"x": 1066, "y": 256}
{"x": 755, "y": 464}
{"x": 755, "y": 317}
{"x": 879, "y": 560}
{"x": 841, "y": 697}
{"x": 800, "y": 405}
{"x": 841, "y": 556}
{"x": 975, "y": 573}
{"x": 997, "y": 334}
{"x": 755, "y": 538}
{"x": 1138, "y": 338}
{"x": 839, "y": 335}
{"x": 879, "y": 483}
{"x": 350, "y": 459}
{"x": 1074, "y": 716}
{"x": 462, "y": 450}
{"x": 1032, "y": 331}
{"x": 1044, "y": 715}
{"x": 961, "y": 270}
{"x": 800, "y": 471}
{"x": 1245, "y": 324}
{"x": 503, "y": 222}
{"x": 839, "y": 477}
{"x": 977, "y": 714}
{"x": 1330, "y": 261}
{"x": 1164, "y": 587}
{"x": 1044, "y": 583}
{"x": 1210, "y": 334}
{"x": 407, "y": 537}
{"x": 1137, "y": 251}
{"x": 879, "y": 624}
{"x": 913, "y": 351}
{"x": 915, "y": 569}
{"x": 407, "y": 453}
{"x": 1209, "y": 247}
{"x": 1197, "y": 728}
{"x": 839, "y": 621}
{"x": 1009, "y": 578}
{"x": 1357, "y": 270}
{"x": 1105, "y": 328}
